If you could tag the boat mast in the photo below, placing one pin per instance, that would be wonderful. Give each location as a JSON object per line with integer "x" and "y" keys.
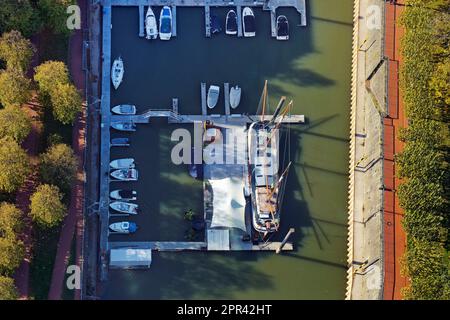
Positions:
{"x": 264, "y": 100}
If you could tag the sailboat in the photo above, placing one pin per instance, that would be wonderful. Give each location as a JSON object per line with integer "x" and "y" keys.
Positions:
{"x": 151, "y": 28}
{"x": 117, "y": 72}
{"x": 266, "y": 182}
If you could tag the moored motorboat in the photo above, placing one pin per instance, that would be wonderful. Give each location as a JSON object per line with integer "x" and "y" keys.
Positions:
{"x": 120, "y": 142}
{"x": 125, "y": 174}
{"x": 248, "y": 22}
{"x": 124, "y": 207}
{"x": 282, "y": 28}
{"x": 124, "y": 195}
{"x": 235, "y": 96}
{"x": 213, "y": 96}
{"x": 117, "y": 71}
{"x": 123, "y": 227}
{"x": 124, "y": 109}
{"x": 231, "y": 23}
{"x": 151, "y": 27}
{"x": 216, "y": 25}
{"x": 123, "y": 126}
{"x": 124, "y": 163}
{"x": 165, "y": 23}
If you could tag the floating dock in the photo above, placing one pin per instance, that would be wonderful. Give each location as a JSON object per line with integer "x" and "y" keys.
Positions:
{"x": 226, "y": 89}
{"x": 141, "y": 21}
{"x": 207, "y": 21}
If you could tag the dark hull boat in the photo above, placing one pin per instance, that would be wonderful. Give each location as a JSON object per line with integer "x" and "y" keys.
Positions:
{"x": 231, "y": 23}
{"x": 282, "y": 28}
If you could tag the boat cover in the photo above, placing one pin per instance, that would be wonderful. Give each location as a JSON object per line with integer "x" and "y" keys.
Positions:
{"x": 228, "y": 203}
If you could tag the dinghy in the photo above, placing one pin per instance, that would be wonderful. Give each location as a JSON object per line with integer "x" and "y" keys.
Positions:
{"x": 248, "y": 22}
{"x": 123, "y": 126}
{"x": 124, "y": 195}
{"x": 151, "y": 28}
{"x": 123, "y": 227}
{"x": 235, "y": 96}
{"x": 231, "y": 23}
{"x": 124, "y": 207}
{"x": 282, "y": 28}
{"x": 122, "y": 163}
{"x": 117, "y": 72}
{"x": 213, "y": 96}
{"x": 165, "y": 23}
{"x": 125, "y": 174}
{"x": 215, "y": 24}
{"x": 120, "y": 142}
{"x": 124, "y": 109}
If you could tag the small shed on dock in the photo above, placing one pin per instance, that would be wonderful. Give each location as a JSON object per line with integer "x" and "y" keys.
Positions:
{"x": 130, "y": 258}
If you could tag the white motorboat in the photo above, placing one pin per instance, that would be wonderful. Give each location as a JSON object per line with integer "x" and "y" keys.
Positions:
{"x": 282, "y": 28}
{"x": 235, "y": 96}
{"x": 124, "y": 195}
{"x": 123, "y": 227}
{"x": 165, "y": 23}
{"x": 124, "y": 207}
{"x": 117, "y": 72}
{"x": 231, "y": 23}
{"x": 124, "y": 163}
{"x": 125, "y": 109}
{"x": 248, "y": 22}
{"x": 213, "y": 96}
{"x": 151, "y": 27}
{"x": 125, "y": 174}
{"x": 123, "y": 126}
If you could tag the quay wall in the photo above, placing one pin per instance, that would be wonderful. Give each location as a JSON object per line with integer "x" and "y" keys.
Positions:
{"x": 365, "y": 275}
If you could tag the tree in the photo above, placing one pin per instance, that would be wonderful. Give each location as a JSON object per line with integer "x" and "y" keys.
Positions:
{"x": 19, "y": 15}
{"x": 54, "y": 14}
{"x": 59, "y": 166}
{"x": 66, "y": 102}
{"x": 16, "y": 50}
{"x": 14, "y": 165}
{"x": 47, "y": 209}
{"x": 10, "y": 220}
{"x": 8, "y": 290}
{"x": 49, "y": 74}
{"x": 15, "y": 123}
{"x": 12, "y": 252}
{"x": 14, "y": 88}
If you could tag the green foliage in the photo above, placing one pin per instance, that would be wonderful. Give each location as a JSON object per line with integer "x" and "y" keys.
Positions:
{"x": 12, "y": 252}
{"x": 54, "y": 14}
{"x": 47, "y": 209}
{"x": 49, "y": 74}
{"x": 59, "y": 166}
{"x": 423, "y": 164}
{"x": 10, "y": 220}
{"x": 14, "y": 165}
{"x": 16, "y": 50}
{"x": 66, "y": 102}
{"x": 8, "y": 290}
{"x": 19, "y": 15}
{"x": 15, "y": 123}
{"x": 14, "y": 88}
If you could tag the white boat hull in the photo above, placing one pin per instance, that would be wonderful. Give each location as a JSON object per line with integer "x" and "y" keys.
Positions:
{"x": 116, "y": 195}
{"x": 125, "y": 174}
{"x": 123, "y": 227}
{"x": 231, "y": 19}
{"x": 248, "y": 28}
{"x": 123, "y": 126}
{"x": 151, "y": 27}
{"x": 235, "y": 97}
{"x": 165, "y": 23}
{"x": 124, "y": 109}
{"x": 213, "y": 96}
{"x": 124, "y": 207}
{"x": 125, "y": 163}
{"x": 117, "y": 72}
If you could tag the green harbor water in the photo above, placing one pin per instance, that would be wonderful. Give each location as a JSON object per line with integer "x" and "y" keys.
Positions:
{"x": 312, "y": 68}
